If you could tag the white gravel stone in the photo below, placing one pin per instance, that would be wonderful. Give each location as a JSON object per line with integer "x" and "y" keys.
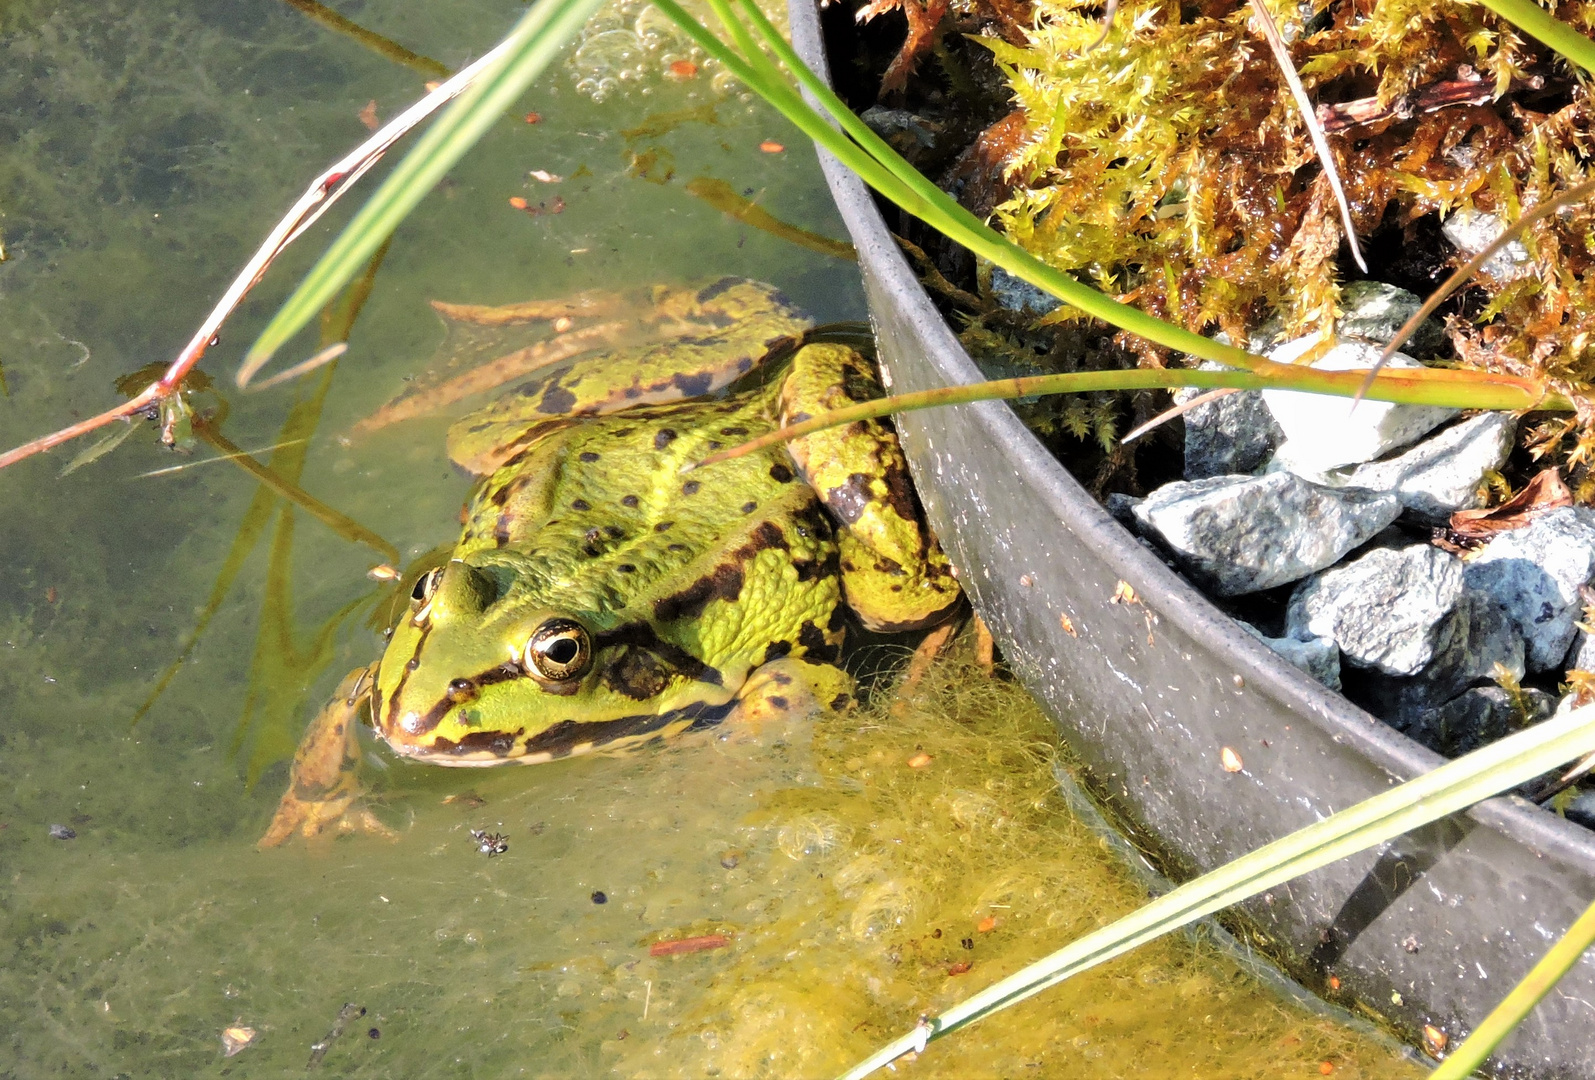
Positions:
{"x": 1393, "y": 610}
{"x": 1473, "y": 230}
{"x": 1440, "y": 475}
{"x": 1240, "y": 534}
{"x": 1323, "y": 432}
{"x": 1318, "y": 657}
{"x": 1233, "y": 434}
{"x": 1535, "y": 573}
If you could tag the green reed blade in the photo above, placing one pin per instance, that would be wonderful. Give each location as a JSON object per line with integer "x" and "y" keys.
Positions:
{"x": 1436, "y": 386}
{"x": 539, "y": 36}
{"x": 1536, "y": 22}
{"x": 1520, "y": 1002}
{"x": 1453, "y": 786}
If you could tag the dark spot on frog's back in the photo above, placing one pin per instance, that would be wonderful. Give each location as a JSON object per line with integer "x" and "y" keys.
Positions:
{"x": 693, "y": 385}
{"x": 815, "y": 646}
{"x": 690, "y": 487}
{"x": 556, "y": 401}
{"x": 629, "y": 502}
{"x": 588, "y": 456}
{"x": 780, "y": 473}
{"x": 580, "y": 504}
{"x": 663, "y": 438}
{"x": 725, "y": 583}
{"x": 849, "y": 499}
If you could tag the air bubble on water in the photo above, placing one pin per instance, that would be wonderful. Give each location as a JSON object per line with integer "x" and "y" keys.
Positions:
{"x": 631, "y": 43}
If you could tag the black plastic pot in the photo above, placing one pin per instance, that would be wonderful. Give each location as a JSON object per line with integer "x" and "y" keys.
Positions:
{"x": 1434, "y": 928}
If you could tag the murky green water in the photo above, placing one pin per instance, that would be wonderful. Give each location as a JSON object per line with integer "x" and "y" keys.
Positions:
{"x": 146, "y": 148}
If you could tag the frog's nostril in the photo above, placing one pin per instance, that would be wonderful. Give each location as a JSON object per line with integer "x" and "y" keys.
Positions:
{"x": 462, "y": 690}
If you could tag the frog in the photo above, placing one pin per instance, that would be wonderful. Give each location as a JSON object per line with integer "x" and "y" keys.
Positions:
{"x": 608, "y": 592}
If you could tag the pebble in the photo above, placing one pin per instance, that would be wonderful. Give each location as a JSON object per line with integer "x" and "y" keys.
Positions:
{"x": 1017, "y": 294}
{"x": 1485, "y": 643}
{"x": 1374, "y": 311}
{"x": 1535, "y": 573}
{"x": 1232, "y": 434}
{"x": 61, "y": 832}
{"x": 1323, "y": 432}
{"x": 1479, "y": 716}
{"x": 1122, "y": 508}
{"x": 1443, "y": 474}
{"x": 1473, "y": 230}
{"x": 1392, "y": 610}
{"x": 1407, "y": 618}
{"x": 1318, "y": 657}
{"x": 1241, "y": 534}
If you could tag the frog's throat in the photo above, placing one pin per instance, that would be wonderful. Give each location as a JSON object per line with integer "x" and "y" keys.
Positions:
{"x": 568, "y": 738}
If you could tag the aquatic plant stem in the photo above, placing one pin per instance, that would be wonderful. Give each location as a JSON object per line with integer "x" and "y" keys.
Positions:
{"x": 1451, "y": 787}
{"x": 325, "y": 190}
{"x": 382, "y": 46}
{"x": 1427, "y": 386}
{"x": 1506, "y": 1016}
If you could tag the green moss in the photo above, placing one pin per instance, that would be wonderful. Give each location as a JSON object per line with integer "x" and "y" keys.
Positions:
{"x": 1170, "y": 167}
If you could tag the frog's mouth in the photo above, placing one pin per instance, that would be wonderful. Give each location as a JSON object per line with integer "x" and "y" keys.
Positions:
{"x": 567, "y": 738}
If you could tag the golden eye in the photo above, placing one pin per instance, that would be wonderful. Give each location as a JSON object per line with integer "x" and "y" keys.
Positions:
{"x": 558, "y": 650}
{"x": 426, "y": 586}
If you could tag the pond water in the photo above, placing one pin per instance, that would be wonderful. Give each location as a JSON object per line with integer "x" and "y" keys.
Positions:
{"x": 147, "y": 146}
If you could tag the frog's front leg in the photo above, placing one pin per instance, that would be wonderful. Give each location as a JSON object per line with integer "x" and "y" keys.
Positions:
{"x": 791, "y": 689}
{"x": 894, "y": 572}
{"x": 322, "y": 785}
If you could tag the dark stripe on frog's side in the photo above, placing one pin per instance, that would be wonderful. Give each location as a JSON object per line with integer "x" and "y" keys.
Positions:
{"x": 725, "y": 582}
{"x": 558, "y": 741}
{"x": 473, "y": 683}
{"x": 499, "y": 743}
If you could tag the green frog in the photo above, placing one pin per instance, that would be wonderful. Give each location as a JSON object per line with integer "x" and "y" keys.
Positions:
{"x": 605, "y": 592}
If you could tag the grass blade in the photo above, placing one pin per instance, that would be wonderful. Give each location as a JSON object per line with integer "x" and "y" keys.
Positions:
{"x": 1315, "y": 130}
{"x": 1536, "y": 22}
{"x": 1524, "y": 996}
{"x": 1446, "y": 790}
{"x": 541, "y": 33}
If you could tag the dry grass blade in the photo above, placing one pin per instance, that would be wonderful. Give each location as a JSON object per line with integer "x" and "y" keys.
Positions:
{"x": 1462, "y": 273}
{"x": 325, "y": 190}
{"x": 304, "y": 367}
{"x": 1309, "y": 116}
{"x": 1107, "y": 27}
{"x": 1179, "y": 410}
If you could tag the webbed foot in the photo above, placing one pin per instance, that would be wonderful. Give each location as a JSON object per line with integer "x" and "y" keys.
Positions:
{"x": 323, "y": 790}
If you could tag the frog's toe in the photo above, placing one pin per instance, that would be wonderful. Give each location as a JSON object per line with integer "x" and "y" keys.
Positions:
{"x": 792, "y": 689}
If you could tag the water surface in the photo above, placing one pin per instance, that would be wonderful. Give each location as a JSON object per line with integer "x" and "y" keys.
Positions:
{"x": 148, "y": 146}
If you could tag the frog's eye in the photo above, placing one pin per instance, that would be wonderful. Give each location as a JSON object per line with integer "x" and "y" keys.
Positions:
{"x": 426, "y": 586}
{"x": 558, "y": 650}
